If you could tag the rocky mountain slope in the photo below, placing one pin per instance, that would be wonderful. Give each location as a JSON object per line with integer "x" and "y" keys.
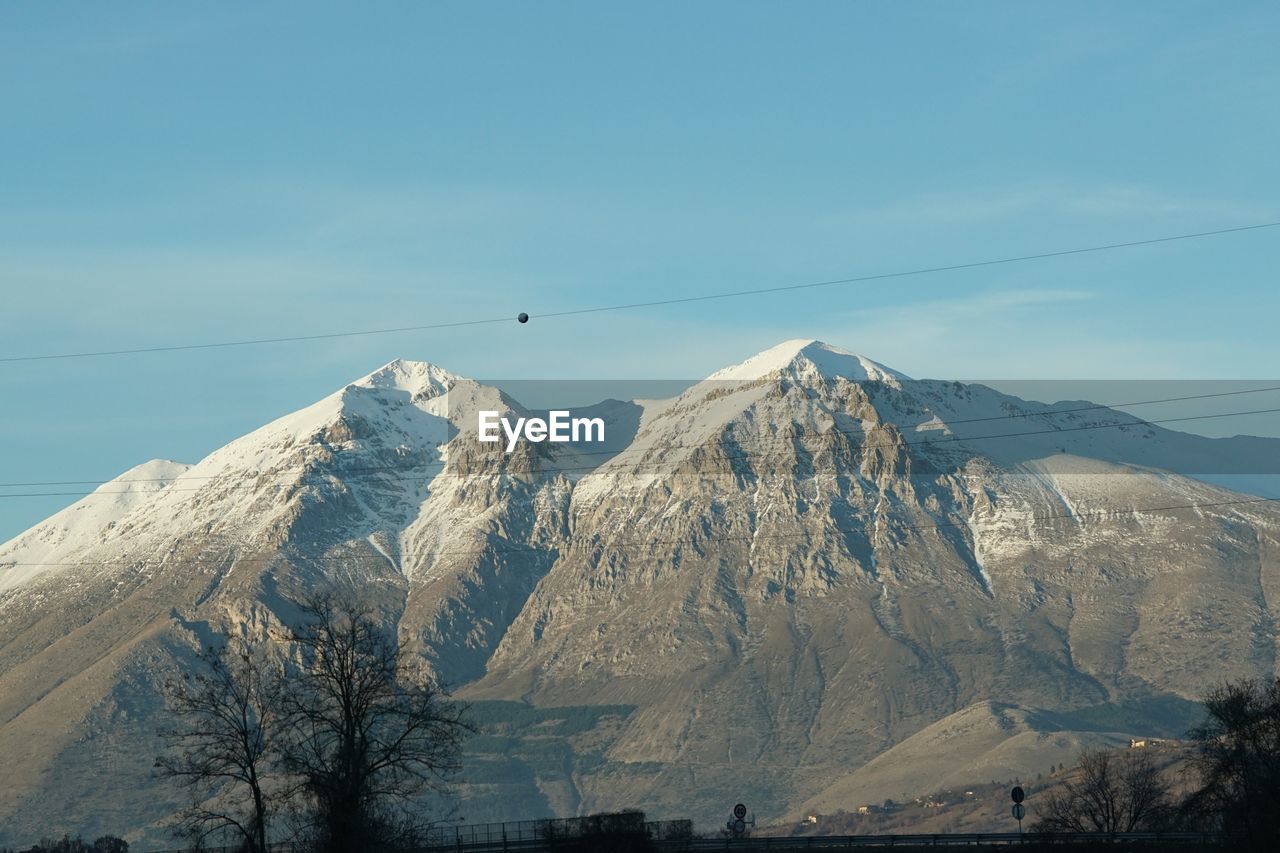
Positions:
{"x": 780, "y": 574}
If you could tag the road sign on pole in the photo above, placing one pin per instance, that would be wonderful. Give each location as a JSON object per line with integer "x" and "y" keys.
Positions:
{"x": 1018, "y": 794}
{"x": 1019, "y": 812}
{"x": 737, "y": 823}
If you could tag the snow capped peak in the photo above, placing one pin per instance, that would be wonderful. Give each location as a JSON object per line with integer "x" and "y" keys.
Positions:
{"x": 418, "y": 378}
{"x": 419, "y": 381}
{"x": 806, "y": 356}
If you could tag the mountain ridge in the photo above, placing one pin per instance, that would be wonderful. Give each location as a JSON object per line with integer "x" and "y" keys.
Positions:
{"x": 791, "y": 567}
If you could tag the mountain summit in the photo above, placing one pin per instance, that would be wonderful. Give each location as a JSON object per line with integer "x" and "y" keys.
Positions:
{"x": 776, "y": 576}
{"x": 808, "y": 357}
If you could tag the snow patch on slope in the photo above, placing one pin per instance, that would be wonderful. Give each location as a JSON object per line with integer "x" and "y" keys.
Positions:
{"x": 86, "y": 522}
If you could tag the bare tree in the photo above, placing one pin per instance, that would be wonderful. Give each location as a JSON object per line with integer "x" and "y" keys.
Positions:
{"x": 1113, "y": 793}
{"x": 367, "y": 730}
{"x": 1237, "y": 755}
{"x": 221, "y": 747}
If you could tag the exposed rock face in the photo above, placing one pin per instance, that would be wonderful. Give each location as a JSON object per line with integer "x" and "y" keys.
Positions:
{"x": 787, "y": 570}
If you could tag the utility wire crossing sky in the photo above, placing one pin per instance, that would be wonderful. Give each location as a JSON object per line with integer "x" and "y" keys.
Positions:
{"x": 523, "y": 317}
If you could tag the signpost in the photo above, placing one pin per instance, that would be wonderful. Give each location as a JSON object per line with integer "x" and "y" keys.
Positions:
{"x": 1019, "y": 810}
{"x": 738, "y": 823}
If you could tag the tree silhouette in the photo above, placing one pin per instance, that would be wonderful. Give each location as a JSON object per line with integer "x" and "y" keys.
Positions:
{"x": 1114, "y": 793}
{"x": 341, "y": 728}
{"x": 367, "y": 728}
{"x": 1237, "y": 754}
{"x": 221, "y": 748}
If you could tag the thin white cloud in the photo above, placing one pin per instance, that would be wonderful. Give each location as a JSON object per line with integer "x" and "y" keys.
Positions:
{"x": 974, "y": 206}
{"x": 1030, "y": 334}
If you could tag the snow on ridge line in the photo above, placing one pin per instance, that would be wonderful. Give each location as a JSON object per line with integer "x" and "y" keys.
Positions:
{"x": 412, "y": 376}
{"x": 807, "y": 353}
{"x": 423, "y": 379}
{"x": 152, "y": 475}
{"x": 256, "y": 447}
{"x": 80, "y": 524}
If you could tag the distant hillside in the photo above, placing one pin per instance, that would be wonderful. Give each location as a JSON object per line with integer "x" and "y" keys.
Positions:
{"x": 994, "y": 741}
{"x": 974, "y": 807}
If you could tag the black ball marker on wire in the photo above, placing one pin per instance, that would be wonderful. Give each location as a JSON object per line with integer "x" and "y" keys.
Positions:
{"x": 522, "y": 317}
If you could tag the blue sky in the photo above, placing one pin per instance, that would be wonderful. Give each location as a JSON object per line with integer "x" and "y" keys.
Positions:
{"x": 185, "y": 172}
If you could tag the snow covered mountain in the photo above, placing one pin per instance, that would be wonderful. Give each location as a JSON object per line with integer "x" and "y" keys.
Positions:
{"x": 771, "y": 579}
{"x": 84, "y": 523}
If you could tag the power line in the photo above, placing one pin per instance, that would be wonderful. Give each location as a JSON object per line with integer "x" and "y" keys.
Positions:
{"x": 924, "y": 271}
{"x": 384, "y": 469}
{"x": 949, "y": 439}
{"x": 254, "y": 341}
{"x": 649, "y": 303}
{"x": 510, "y": 547}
